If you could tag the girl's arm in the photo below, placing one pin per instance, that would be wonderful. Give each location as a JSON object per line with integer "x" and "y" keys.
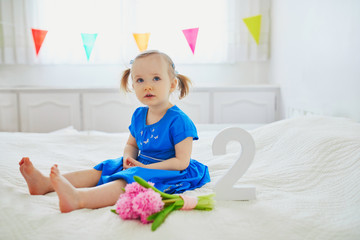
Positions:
{"x": 131, "y": 151}
{"x": 180, "y": 162}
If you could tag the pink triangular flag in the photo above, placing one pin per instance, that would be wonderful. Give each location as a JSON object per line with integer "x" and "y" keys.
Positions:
{"x": 191, "y": 36}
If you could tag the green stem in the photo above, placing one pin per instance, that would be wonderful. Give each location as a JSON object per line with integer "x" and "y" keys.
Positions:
{"x": 160, "y": 217}
{"x": 145, "y": 184}
{"x": 172, "y": 200}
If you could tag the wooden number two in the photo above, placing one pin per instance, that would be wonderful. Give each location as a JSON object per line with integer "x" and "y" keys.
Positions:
{"x": 224, "y": 188}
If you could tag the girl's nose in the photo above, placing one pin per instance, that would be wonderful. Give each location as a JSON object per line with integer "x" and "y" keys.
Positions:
{"x": 148, "y": 88}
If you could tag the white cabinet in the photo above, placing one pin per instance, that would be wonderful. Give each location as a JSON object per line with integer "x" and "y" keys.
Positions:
{"x": 196, "y": 105}
{"x": 108, "y": 112}
{"x": 244, "y": 107}
{"x": 8, "y": 112}
{"x": 46, "y": 112}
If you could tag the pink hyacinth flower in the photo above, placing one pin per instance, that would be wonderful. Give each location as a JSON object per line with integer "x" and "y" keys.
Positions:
{"x": 147, "y": 203}
{"x": 134, "y": 189}
{"x": 124, "y": 208}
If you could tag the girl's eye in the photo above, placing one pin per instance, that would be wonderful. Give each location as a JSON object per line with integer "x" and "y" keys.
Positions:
{"x": 156, "y": 78}
{"x": 139, "y": 80}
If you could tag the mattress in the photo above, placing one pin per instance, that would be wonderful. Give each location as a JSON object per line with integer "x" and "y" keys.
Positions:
{"x": 306, "y": 174}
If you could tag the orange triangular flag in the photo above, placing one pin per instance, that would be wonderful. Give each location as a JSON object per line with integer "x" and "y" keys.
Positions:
{"x": 39, "y": 36}
{"x": 142, "y": 40}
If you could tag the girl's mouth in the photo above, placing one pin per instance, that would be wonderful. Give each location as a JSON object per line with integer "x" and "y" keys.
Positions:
{"x": 149, "y": 95}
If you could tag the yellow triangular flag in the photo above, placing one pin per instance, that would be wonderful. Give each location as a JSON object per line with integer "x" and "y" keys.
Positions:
{"x": 142, "y": 40}
{"x": 254, "y": 26}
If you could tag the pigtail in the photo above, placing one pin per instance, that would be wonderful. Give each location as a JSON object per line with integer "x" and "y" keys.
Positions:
{"x": 125, "y": 81}
{"x": 184, "y": 85}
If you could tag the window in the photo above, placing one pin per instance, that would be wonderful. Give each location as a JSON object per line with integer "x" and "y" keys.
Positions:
{"x": 222, "y": 36}
{"x": 165, "y": 20}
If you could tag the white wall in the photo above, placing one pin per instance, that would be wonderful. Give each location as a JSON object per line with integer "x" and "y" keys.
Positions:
{"x": 315, "y": 56}
{"x": 91, "y": 76}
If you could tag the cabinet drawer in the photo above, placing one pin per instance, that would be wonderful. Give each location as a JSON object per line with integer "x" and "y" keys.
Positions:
{"x": 108, "y": 112}
{"x": 244, "y": 107}
{"x": 8, "y": 112}
{"x": 46, "y": 112}
{"x": 196, "y": 105}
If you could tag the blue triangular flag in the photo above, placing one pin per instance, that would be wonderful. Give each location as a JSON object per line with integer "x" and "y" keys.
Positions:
{"x": 88, "y": 41}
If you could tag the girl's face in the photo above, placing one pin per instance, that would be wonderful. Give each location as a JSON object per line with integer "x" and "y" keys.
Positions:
{"x": 151, "y": 81}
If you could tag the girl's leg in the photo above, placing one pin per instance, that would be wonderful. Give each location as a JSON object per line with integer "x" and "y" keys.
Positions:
{"x": 40, "y": 184}
{"x": 83, "y": 178}
{"x": 71, "y": 198}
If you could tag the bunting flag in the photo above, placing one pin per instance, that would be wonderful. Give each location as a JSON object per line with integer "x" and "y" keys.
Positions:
{"x": 254, "y": 26}
{"x": 142, "y": 40}
{"x": 88, "y": 41}
{"x": 191, "y": 37}
{"x": 39, "y": 36}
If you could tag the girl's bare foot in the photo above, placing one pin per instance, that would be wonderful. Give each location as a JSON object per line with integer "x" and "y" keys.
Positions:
{"x": 69, "y": 197}
{"x": 37, "y": 183}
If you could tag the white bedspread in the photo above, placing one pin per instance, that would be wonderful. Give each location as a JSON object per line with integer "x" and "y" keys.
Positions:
{"x": 306, "y": 172}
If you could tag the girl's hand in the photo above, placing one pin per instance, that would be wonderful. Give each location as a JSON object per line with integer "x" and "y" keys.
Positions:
{"x": 130, "y": 162}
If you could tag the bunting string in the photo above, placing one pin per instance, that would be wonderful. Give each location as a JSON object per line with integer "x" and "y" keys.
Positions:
{"x": 253, "y": 25}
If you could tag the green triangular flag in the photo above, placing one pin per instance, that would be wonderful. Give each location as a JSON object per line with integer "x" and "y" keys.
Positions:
{"x": 88, "y": 41}
{"x": 254, "y": 26}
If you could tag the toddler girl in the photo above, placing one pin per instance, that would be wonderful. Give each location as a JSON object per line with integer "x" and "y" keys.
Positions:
{"x": 158, "y": 148}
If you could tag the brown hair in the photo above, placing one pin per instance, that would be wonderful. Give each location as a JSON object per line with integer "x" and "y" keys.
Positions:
{"x": 183, "y": 83}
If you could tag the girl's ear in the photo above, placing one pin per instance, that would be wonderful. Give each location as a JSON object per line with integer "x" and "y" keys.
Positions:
{"x": 173, "y": 85}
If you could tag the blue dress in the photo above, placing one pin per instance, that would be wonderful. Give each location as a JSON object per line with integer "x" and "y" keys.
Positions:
{"x": 156, "y": 142}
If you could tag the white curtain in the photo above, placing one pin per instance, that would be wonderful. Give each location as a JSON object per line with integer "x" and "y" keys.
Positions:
{"x": 241, "y": 45}
{"x": 222, "y": 38}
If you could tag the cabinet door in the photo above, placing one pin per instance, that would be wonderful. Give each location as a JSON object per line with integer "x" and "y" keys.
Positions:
{"x": 244, "y": 107}
{"x": 108, "y": 112}
{"x": 8, "y": 112}
{"x": 196, "y": 105}
{"x": 46, "y": 112}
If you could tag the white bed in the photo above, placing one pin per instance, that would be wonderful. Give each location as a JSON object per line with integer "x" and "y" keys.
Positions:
{"x": 306, "y": 172}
